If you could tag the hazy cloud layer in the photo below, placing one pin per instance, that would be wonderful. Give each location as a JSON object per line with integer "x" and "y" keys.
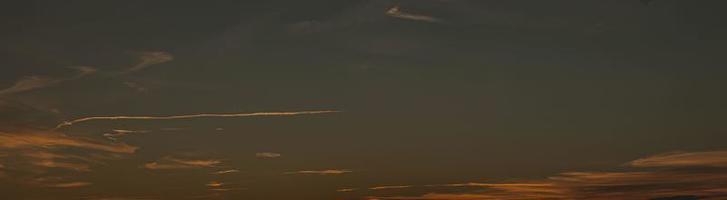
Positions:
{"x": 684, "y": 159}
{"x": 671, "y": 181}
{"x": 50, "y": 140}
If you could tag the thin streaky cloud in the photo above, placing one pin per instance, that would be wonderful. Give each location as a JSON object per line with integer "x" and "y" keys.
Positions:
{"x": 679, "y": 175}
{"x": 69, "y": 185}
{"x": 396, "y": 12}
{"x": 346, "y": 190}
{"x": 150, "y": 58}
{"x": 203, "y": 115}
{"x": 215, "y": 184}
{"x": 226, "y": 172}
{"x": 322, "y": 172}
{"x": 177, "y": 163}
{"x": 51, "y": 139}
{"x": 267, "y": 155}
{"x": 390, "y": 187}
{"x": 37, "y": 82}
{"x": 684, "y": 159}
{"x": 116, "y": 133}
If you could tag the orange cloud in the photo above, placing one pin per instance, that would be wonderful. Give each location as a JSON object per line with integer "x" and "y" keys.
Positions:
{"x": 684, "y": 159}
{"x": 226, "y": 171}
{"x": 389, "y": 187}
{"x": 322, "y": 172}
{"x": 671, "y": 181}
{"x": 48, "y": 140}
{"x": 69, "y": 185}
{"x": 175, "y": 163}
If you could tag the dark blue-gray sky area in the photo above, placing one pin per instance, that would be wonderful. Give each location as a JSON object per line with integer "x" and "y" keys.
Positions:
{"x": 433, "y": 99}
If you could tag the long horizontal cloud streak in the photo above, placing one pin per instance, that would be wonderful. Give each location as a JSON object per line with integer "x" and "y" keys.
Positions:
{"x": 680, "y": 175}
{"x": 204, "y": 115}
{"x": 50, "y": 140}
{"x": 396, "y": 12}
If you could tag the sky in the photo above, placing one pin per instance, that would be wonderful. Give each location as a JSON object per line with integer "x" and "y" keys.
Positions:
{"x": 363, "y": 99}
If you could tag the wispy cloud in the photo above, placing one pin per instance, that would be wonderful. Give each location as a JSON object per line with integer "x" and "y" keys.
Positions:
{"x": 322, "y": 172}
{"x": 69, "y": 185}
{"x": 46, "y": 140}
{"x": 176, "y": 163}
{"x": 149, "y": 58}
{"x": 684, "y": 159}
{"x": 267, "y": 155}
{"x": 681, "y": 174}
{"x": 346, "y": 190}
{"x": 116, "y": 133}
{"x": 203, "y": 115}
{"x": 390, "y": 187}
{"x": 215, "y": 184}
{"x": 226, "y": 171}
{"x": 37, "y": 82}
{"x": 398, "y": 13}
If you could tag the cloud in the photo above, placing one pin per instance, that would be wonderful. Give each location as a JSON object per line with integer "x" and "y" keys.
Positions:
{"x": 34, "y": 155}
{"x": 346, "y": 190}
{"x": 204, "y": 115}
{"x": 267, "y": 155}
{"x": 322, "y": 172}
{"x": 37, "y": 82}
{"x": 150, "y": 58}
{"x": 390, "y": 187}
{"x": 226, "y": 171}
{"x": 69, "y": 185}
{"x": 682, "y": 159}
{"x": 49, "y": 140}
{"x": 671, "y": 180}
{"x": 116, "y": 133}
{"x": 176, "y": 163}
{"x": 396, "y": 12}
{"x": 215, "y": 184}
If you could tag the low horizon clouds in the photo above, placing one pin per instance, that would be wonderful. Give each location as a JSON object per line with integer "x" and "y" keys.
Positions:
{"x": 679, "y": 176}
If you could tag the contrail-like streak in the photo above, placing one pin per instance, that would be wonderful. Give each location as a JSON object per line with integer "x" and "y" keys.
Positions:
{"x": 69, "y": 123}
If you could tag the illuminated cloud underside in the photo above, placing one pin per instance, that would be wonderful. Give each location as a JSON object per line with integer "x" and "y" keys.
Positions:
{"x": 176, "y": 163}
{"x": 678, "y": 180}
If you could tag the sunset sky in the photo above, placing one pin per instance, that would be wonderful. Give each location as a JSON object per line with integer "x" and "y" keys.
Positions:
{"x": 363, "y": 99}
